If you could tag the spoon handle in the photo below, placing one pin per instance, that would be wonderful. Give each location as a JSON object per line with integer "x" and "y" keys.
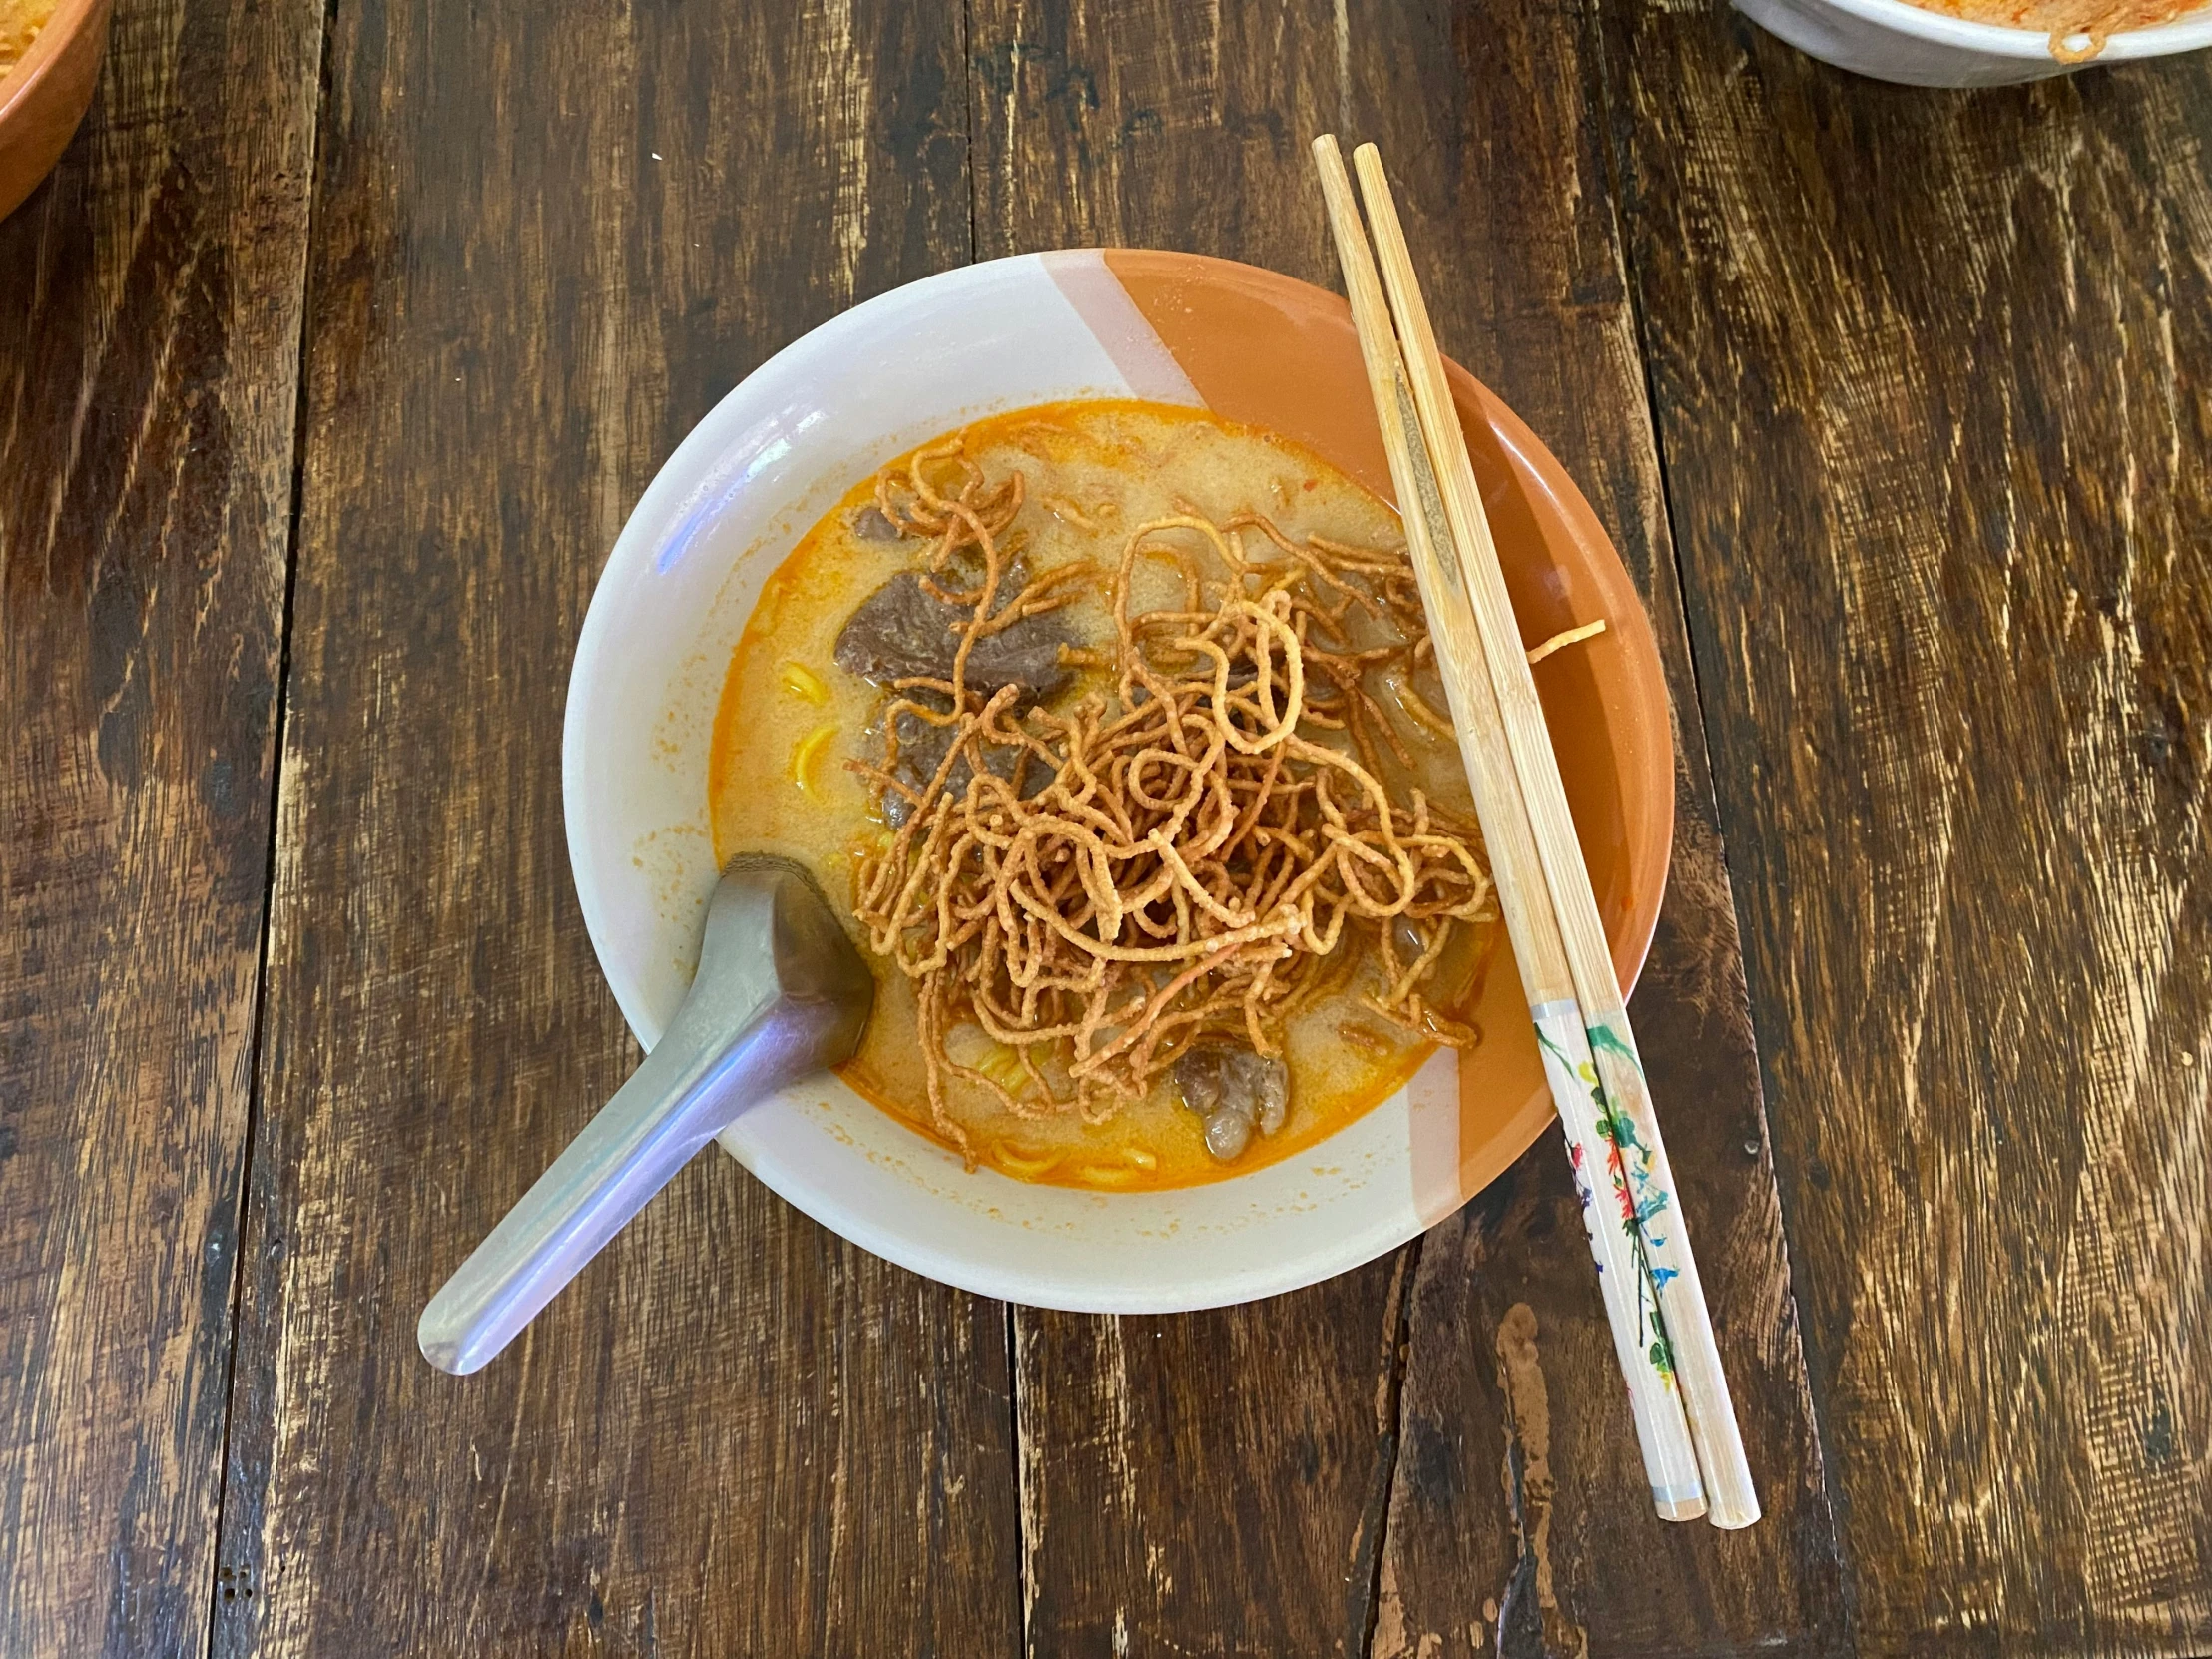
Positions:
{"x": 674, "y": 1104}
{"x": 780, "y": 992}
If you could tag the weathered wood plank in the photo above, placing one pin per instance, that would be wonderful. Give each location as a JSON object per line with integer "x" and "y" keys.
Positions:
{"x": 1236, "y": 1525}
{"x": 1934, "y": 374}
{"x": 549, "y": 238}
{"x": 1210, "y": 1483}
{"x": 149, "y": 349}
{"x": 1215, "y": 1482}
{"x": 1519, "y": 1521}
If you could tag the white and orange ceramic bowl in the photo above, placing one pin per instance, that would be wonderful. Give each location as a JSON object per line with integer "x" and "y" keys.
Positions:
{"x": 777, "y": 452}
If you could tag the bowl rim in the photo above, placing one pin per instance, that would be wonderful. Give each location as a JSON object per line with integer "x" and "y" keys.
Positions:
{"x": 2183, "y": 34}
{"x": 1370, "y": 1235}
{"x": 69, "y": 19}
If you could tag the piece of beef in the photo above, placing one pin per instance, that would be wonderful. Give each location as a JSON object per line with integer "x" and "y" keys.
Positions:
{"x": 900, "y": 632}
{"x": 921, "y": 747}
{"x": 870, "y": 524}
{"x": 1236, "y": 1091}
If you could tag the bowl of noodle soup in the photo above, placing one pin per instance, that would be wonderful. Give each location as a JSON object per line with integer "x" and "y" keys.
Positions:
{"x": 1099, "y": 415}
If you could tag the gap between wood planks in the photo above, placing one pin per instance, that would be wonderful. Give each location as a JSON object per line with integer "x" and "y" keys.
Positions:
{"x": 1389, "y": 1431}
{"x": 225, "y": 1582}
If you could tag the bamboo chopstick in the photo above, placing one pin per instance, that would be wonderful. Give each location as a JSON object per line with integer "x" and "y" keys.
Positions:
{"x": 1670, "y": 1461}
{"x": 1653, "y": 1209}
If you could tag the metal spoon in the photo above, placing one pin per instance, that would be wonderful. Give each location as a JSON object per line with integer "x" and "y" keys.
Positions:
{"x": 781, "y": 992}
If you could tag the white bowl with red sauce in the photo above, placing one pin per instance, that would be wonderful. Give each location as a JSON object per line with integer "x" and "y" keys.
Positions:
{"x": 781, "y": 449}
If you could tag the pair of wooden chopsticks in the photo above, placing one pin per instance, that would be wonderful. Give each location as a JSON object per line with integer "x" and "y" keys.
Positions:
{"x": 1663, "y": 1336}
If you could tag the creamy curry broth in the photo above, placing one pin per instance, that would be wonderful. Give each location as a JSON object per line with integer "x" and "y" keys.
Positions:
{"x": 790, "y": 716}
{"x": 20, "y": 23}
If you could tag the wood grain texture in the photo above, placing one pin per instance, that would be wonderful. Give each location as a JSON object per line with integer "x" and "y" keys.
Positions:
{"x": 1243, "y": 1496}
{"x": 150, "y": 296}
{"x": 548, "y": 240}
{"x": 1934, "y": 379}
{"x": 1930, "y": 375}
{"x": 1519, "y": 1522}
{"x": 1211, "y": 1484}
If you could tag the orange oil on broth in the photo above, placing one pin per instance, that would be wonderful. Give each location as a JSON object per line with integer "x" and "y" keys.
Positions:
{"x": 790, "y": 716}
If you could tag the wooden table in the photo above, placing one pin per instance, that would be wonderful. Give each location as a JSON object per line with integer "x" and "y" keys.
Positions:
{"x": 330, "y": 362}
